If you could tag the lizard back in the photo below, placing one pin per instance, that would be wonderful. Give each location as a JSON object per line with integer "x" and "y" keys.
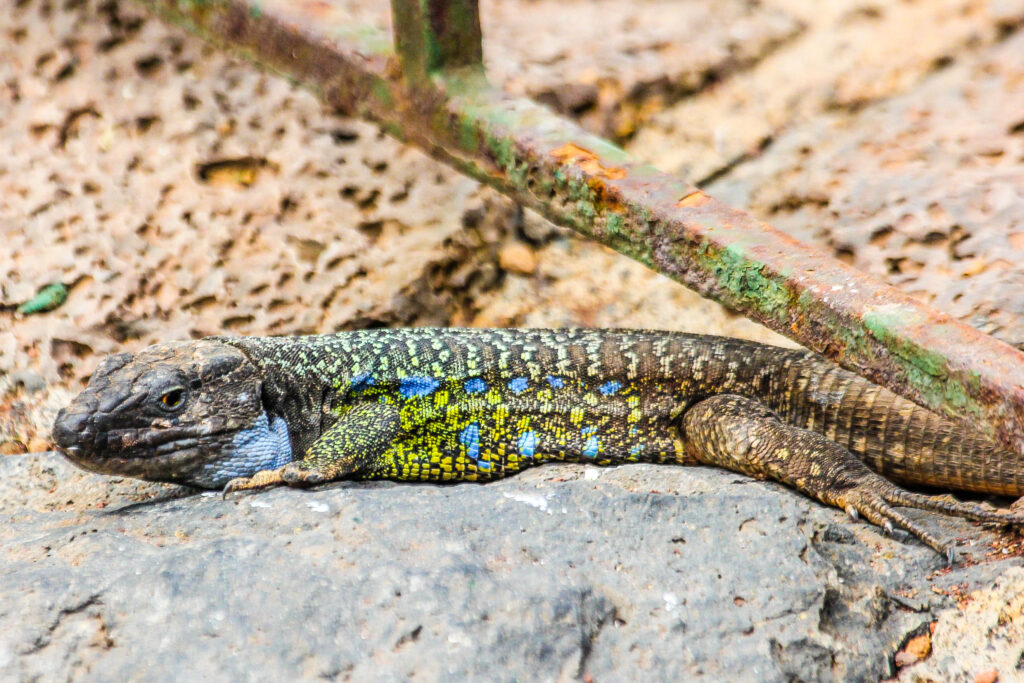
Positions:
{"x": 480, "y": 404}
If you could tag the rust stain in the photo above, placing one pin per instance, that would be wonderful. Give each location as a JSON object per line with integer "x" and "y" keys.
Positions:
{"x": 587, "y": 161}
{"x": 572, "y": 152}
{"x": 318, "y": 8}
{"x": 692, "y": 199}
{"x": 606, "y": 197}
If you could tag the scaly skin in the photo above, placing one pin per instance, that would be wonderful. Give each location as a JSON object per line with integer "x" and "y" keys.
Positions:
{"x": 476, "y": 405}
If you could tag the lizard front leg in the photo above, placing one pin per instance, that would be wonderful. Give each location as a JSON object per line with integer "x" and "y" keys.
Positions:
{"x": 743, "y": 435}
{"x": 355, "y": 441}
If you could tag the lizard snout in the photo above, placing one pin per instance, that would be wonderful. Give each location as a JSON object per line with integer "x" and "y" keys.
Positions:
{"x": 70, "y": 430}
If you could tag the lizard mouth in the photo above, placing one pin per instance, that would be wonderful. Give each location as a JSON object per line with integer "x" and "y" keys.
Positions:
{"x": 154, "y": 454}
{"x": 172, "y": 460}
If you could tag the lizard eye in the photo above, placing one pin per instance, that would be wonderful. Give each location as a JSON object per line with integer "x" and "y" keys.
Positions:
{"x": 172, "y": 399}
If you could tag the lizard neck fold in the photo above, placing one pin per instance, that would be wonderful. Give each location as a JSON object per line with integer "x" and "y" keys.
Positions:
{"x": 299, "y": 378}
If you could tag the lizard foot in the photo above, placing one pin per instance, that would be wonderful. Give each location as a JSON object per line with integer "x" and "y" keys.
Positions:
{"x": 261, "y": 480}
{"x": 875, "y": 498}
{"x": 291, "y": 474}
{"x": 874, "y": 505}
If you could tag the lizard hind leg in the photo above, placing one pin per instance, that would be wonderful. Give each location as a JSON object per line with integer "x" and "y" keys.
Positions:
{"x": 743, "y": 435}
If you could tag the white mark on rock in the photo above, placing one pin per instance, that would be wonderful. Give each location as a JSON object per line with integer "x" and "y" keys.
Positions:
{"x": 592, "y": 473}
{"x": 671, "y": 602}
{"x": 532, "y": 499}
{"x": 460, "y": 638}
{"x": 259, "y": 503}
{"x": 318, "y": 506}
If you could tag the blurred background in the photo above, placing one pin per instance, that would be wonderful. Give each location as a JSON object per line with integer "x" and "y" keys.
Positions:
{"x": 164, "y": 190}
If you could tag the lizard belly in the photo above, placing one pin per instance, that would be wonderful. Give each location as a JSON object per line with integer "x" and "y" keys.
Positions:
{"x": 475, "y": 443}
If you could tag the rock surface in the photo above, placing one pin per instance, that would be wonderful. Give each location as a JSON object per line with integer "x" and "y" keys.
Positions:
{"x": 561, "y": 573}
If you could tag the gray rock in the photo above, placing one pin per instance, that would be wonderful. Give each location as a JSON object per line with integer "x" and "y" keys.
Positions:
{"x": 559, "y": 573}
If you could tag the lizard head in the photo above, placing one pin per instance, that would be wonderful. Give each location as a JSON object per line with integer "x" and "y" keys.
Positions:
{"x": 185, "y": 412}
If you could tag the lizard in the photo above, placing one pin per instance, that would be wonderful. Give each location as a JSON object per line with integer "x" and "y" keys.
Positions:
{"x": 449, "y": 404}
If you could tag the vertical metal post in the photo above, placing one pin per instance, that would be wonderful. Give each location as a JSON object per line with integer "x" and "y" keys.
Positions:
{"x": 435, "y": 35}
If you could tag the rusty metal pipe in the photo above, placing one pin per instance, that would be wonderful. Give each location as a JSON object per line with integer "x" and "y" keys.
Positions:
{"x": 444, "y": 104}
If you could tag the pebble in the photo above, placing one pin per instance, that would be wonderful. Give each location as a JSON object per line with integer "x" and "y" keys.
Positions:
{"x": 518, "y": 258}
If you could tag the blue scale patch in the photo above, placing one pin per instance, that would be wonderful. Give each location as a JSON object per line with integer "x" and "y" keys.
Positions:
{"x": 555, "y": 382}
{"x": 475, "y": 386}
{"x": 362, "y": 382}
{"x": 411, "y": 387}
{"x": 591, "y": 445}
{"x": 264, "y": 446}
{"x": 636, "y": 450}
{"x": 470, "y": 438}
{"x": 609, "y": 388}
{"x": 519, "y": 385}
{"x": 527, "y": 443}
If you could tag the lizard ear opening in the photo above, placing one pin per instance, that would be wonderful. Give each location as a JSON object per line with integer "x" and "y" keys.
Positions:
{"x": 270, "y": 406}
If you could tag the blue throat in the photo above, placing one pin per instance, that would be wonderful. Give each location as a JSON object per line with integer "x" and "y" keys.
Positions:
{"x": 264, "y": 446}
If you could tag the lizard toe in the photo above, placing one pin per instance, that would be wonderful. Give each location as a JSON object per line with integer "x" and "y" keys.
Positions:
{"x": 955, "y": 508}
